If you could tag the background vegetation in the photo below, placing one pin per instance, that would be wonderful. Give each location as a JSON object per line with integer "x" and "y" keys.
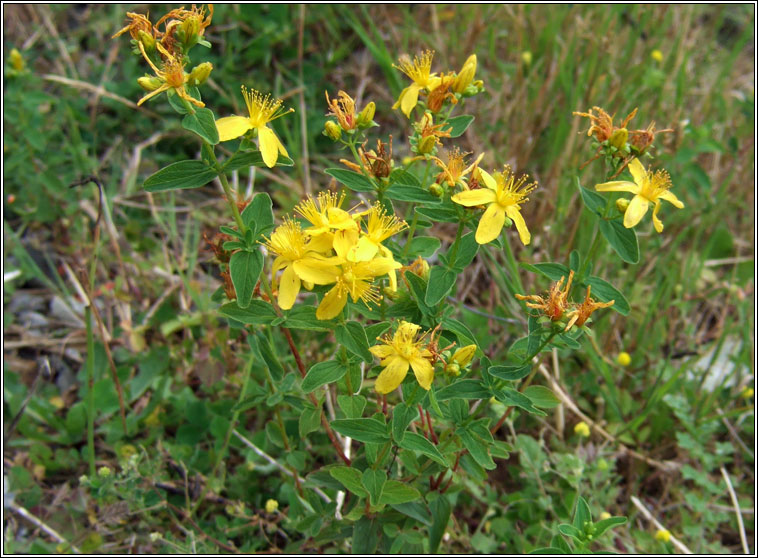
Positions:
{"x": 679, "y": 419}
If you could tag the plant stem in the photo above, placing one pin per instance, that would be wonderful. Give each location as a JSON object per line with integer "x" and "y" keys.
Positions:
{"x": 230, "y": 198}
{"x": 90, "y": 391}
{"x": 456, "y": 243}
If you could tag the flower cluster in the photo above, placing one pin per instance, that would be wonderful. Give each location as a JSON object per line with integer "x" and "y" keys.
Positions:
{"x": 165, "y": 46}
{"x": 557, "y": 308}
{"x": 336, "y": 248}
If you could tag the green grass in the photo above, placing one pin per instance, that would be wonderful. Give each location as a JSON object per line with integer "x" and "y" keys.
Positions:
{"x": 181, "y": 366}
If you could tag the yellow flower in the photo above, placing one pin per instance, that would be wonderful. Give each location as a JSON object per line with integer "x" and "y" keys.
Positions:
{"x": 17, "y": 61}
{"x": 657, "y": 55}
{"x": 325, "y": 215}
{"x": 344, "y": 109}
{"x": 271, "y": 505}
{"x": 747, "y": 392}
{"x": 399, "y": 353}
{"x": 648, "y": 187}
{"x": 454, "y": 170}
{"x": 503, "y": 197}
{"x": 624, "y": 359}
{"x": 295, "y": 254}
{"x": 353, "y": 278}
{"x": 379, "y": 227}
{"x": 582, "y": 429}
{"x": 663, "y": 535}
{"x": 172, "y": 76}
{"x": 419, "y": 71}
{"x": 261, "y": 111}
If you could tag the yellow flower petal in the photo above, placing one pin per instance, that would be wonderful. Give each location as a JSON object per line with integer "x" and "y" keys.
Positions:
{"x": 376, "y": 267}
{"x": 657, "y": 223}
{"x": 332, "y": 304}
{"x": 638, "y": 171}
{"x": 268, "y": 143}
{"x": 635, "y": 212}
{"x": 363, "y": 251}
{"x": 382, "y": 351}
{"x": 464, "y": 355}
{"x": 231, "y": 127}
{"x": 393, "y": 375}
{"x": 424, "y": 372}
{"x": 344, "y": 241}
{"x": 490, "y": 224}
{"x": 618, "y": 186}
{"x": 670, "y": 197}
{"x": 488, "y": 179}
{"x": 318, "y": 272}
{"x": 289, "y": 287}
{"x": 513, "y": 212}
{"x": 408, "y": 99}
{"x": 470, "y": 198}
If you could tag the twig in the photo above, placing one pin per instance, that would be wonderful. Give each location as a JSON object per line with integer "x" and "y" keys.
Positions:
{"x": 733, "y": 495}
{"x": 98, "y": 90}
{"x": 276, "y": 464}
{"x": 676, "y": 542}
{"x": 26, "y": 514}
{"x": 341, "y": 493}
{"x": 560, "y": 419}
{"x": 734, "y": 434}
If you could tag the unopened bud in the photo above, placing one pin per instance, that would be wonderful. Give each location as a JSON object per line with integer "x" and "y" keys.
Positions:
{"x": 453, "y": 368}
{"x": 582, "y": 429}
{"x": 332, "y": 130}
{"x": 526, "y": 58}
{"x": 663, "y": 535}
{"x": 191, "y": 28}
{"x": 200, "y": 73}
{"x": 104, "y": 472}
{"x": 423, "y": 270}
{"x": 464, "y": 355}
{"x": 508, "y": 222}
{"x": 747, "y": 393}
{"x": 149, "y": 83}
{"x": 622, "y": 204}
{"x": 426, "y": 145}
{"x": 657, "y": 55}
{"x": 464, "y": 79}
{"x": 366, "y": 116}
{"x": 624, "y": 359}
{"x": 147, "y": 40}
{"x": 271, "y": 506}
{"x": 436, "y": 190}
{"x": 618, "y": 138}
{"x": 17, "y": 61}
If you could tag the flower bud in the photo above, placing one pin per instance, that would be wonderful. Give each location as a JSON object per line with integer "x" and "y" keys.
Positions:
{"x": 426, "y": 145}
{"x": 464, "y": 355}
{"x": 436, "y": 190}
{"x": 191, "y": 28}
{"x": 526, "y": 58}
{"x": 147, "y": 40}
{"x": 747, "y": 393}
{"x": 104, "y": 472}
{"x": 622, "y": 204}
{"x": 464, "y": 79}
{"x": 663, "y": 535}
{"x": 657, "y": 55}
{"x": 271, "y": 506}
{"x": 624, "y": 359}
{"x": 453, "y": 368}
{"x": 582, "y": 429}
{"x": 366, "y": 116}
{"x": 149, "y": 83}
{"x": 618, "y": 138}
{"x": 17, "y": 61}
{"x": 423, "y": 270}
{"x": 508, "y": 222}
{"x": 332, "y": 130}
{"x": 200, "y": 73}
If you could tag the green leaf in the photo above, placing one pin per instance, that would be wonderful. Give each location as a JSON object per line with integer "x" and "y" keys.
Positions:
{"x": 402, "y": 416}
{"x": 463, "y": 389}
{"x": 350, "y": 479}
{"x": 592, "y": 200}
{"x": 582, "y": 514}
{"x": 512, "y": 397}
{"x": 548, "y": 550}
{"x": 365, "y": 536}
{"x": 604, "y": 524}
{"x": 180, "y": 175}
{"x": 396, "y": 492}
{"x": 304, "y": 317}
{"x": 605, "y": 292}
{"x": 458, "y": 124}
{"x": 416, "y": 510}
{"x": 243, "y": 159}
{"x": 353, "y": 180}
{"x": 441, "y": 515}
{"x": 461, "y": 331}
{"x": 404, "y": 193}
{"x": 476, "y": 447}
{"x": 551, "y": 270}
{"x": 263, "y": 349}
{"x": 245, "y": 268}
{"x": 353, "y": 337}
{"x": 571, "y": 531}
{"x": 510, "y": 373}
{"x": 439, "y": 214}
{"x": 366, "y": 430}
{"x": 373, "y": 481}
{"x": 323, "y": 373}
{"x": 309, "y": 420}
{"x": 441, "y": 281}
{"x": 203, "y": 123}
{"x": 352, "y": 406}
{"x": 621, "y": 239}
{"x": 180, "y": 105}
{"x": 257, "y": 312}
{"x": 467, "y": 250}
{"x": 416, "y": 442}
{"x": 404, "y": 178}
{"x": 259, "y": 215}
{"x": 542, "y": 397}
{"x": 375, "y": 330}
{"x": 423, "y": 246}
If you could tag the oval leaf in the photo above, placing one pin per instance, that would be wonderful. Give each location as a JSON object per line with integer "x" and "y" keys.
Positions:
{"x": 181, "y": 175}
{"x": 245, "y": 268}
{"x": 203, "y": 123}
{"x": 323, "y": 373}
{"x": 366, "y": 430}
{"x": 353, "y": 180}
